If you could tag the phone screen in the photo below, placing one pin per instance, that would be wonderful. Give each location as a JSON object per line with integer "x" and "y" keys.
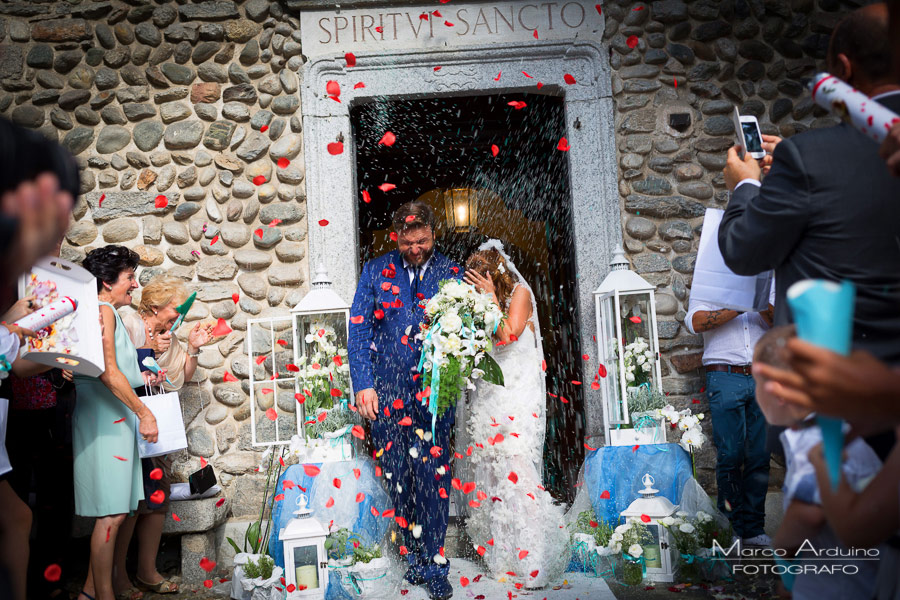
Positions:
{"x": 751, "y": 136}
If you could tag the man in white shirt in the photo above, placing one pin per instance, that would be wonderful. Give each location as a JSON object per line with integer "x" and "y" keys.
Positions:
{"x": 739, "y": 428}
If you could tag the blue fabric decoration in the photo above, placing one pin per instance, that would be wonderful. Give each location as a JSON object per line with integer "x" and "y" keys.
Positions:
{"x": 823, "y": 312}
{"x": 346, "y": 512}
{"x": 618, "y": 469}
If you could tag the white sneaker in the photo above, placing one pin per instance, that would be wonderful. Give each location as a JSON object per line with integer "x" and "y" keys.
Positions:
{"x": 758, "y": 540}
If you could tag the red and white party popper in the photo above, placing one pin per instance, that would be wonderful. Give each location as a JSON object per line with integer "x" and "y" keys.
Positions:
{"x": 869, "y": 117}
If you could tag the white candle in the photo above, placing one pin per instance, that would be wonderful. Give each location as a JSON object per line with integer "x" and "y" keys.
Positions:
{"x": 307, "y": 577}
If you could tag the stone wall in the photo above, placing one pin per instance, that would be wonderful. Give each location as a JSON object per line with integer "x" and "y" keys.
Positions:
{"x": 700, "y": 58}
{"x": 179, "y": 115}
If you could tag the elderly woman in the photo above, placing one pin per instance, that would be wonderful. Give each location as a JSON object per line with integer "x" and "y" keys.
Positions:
{"x": 108, "y": 479}
{"x": 149, "y": 330}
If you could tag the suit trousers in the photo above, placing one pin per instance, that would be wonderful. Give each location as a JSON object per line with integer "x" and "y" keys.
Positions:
{"x": 411, "y": 473}
{"x": 742, "y": 460}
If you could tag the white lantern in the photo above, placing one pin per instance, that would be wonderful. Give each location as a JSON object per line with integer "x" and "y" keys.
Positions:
{"x": 628, "y": 347}
{"x": 321, "y": 331}
{"x": 658, "y": 554}
{"x": 305, "y": 560}
{"x": 313, "y": 366}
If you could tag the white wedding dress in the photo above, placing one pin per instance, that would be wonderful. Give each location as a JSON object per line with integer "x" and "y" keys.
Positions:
{"x": 510, "y": 514}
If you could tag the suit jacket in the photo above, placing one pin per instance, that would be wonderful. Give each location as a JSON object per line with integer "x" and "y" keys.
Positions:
{"x": 383, "y": 352}
{"x": 830, "y": 210}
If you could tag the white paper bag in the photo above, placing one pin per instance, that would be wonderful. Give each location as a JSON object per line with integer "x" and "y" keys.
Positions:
{"x": 714, "y": 283}
{"x": 167, "y": 410}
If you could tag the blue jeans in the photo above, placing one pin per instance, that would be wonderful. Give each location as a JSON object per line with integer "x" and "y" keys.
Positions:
{"x": 742, "y": 462}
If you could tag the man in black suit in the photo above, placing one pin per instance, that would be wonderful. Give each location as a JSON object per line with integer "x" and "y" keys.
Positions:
{"x": 828, "y": 209}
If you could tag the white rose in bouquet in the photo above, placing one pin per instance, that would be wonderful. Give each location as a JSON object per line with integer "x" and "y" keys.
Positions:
{"x": 450, "y": 322}
{"x": 635, "y": 550}
{"x": 668, "y": 521}
{"x": 686, "y": 528}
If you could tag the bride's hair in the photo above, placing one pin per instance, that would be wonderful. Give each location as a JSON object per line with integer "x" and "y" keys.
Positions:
{"x": 491, "y": 261}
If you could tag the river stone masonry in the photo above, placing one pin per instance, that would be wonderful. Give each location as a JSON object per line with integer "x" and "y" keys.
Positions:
{"x": 197, "y": 102}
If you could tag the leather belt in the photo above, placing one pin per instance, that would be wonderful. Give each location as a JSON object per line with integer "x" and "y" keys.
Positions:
{"x": 740, "y": 369}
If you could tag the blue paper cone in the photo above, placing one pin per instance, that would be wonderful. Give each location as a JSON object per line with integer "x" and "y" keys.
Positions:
{"x": 823, "y": 312}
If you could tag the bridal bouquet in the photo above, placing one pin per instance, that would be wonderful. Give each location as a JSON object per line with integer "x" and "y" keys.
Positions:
{"x": 456, "y": 340}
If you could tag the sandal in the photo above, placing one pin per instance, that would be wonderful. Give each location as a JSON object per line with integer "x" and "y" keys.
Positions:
{"x": 166, "y": 586}
{"x": 131, "y": 593}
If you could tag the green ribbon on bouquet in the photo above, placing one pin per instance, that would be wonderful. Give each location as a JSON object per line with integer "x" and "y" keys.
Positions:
{"x": 435, "y": 377}
{"x": 640, "y": 560}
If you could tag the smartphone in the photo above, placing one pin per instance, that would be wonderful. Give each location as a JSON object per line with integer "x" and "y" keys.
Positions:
{"x": 748, "y": 135}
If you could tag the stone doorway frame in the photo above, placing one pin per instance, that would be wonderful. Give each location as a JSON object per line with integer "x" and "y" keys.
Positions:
{"x": 331, "y": 185}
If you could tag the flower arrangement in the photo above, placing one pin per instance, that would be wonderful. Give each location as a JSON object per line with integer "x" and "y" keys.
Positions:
{"x": 587, "y": 524}
{"x": 629, "y": 538}
{"x": 638, "y": 361}
{"x": 363, "y": 571}
{"x": 684, "y": 531}
{"x": 323, "y": 371}
{"x": 692, "y": 437}
{"x": 456, "y": 336}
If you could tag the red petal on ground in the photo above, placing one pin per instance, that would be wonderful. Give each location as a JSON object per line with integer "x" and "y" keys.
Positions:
{"x": 359, "y": 85}
{"x": 569, "y": 79}
{"x": 323, "y": 222}
{"x": 463, "y": 581}
{"x": 235, "y": 297}
{"x": 176, "y": 518}
{"x": 208, "y": 584}
{"x": 523, "y": 554}
{"x": 161, "y": 201}
{"x": 207, "y": 565}
{"x": 351, "y": 59}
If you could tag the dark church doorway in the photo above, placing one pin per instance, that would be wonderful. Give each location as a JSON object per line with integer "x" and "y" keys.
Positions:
{"x": 523, "y": 199}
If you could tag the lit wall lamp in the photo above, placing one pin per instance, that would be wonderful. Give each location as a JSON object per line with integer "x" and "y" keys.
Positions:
{"x": 461, "y": 207}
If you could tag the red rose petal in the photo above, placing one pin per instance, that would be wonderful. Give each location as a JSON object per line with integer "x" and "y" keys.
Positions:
{"x": 523, "y": 554}
{"x": 330, "y": 502}
{"x": 645, "y": 518}
{"x": 263, "y": 128}
{"x": 158, "y": 497}
{"x": 278, "y": 498}
{"x": 220, "y": 502}
{"x": 569, "y": 79}
{"x": 221, "y": 328}
{"x": 387, "y": 187}
{"x": 283, "y": 163}
{"x": 405, "y": 421}
{"x": 635, "y": 319}
{"x": 235, "y": 297}
{"x": 120, "y": 458}
{"x": 601, "y": 370}
{"x": 335, "y": 148}
{"x": 357, "y": 319}
{"x": 333, "y": 88}
{"x": 463, "y": 581}
{"x": 100, "y": 201}
{"x": 387, "y": 139}
{"x": 495, "y": 150}
{"x": 323, "y": 222}
{"x": 366, "y": 196}
{"x": 259, "y": 180}
{"x": 513, "y": 477}
{"x": 563, "y": 145}
{"x": 360, "y": 497}
{"x": 207, "y": 565}
{"x": 208, "y": 584}
{"x": 52, "y": 573}
{"x": 632, "y": 41}
{"x": 311, "y": 470}
{"x": 229, "y": 377}
{"x": 271, "y": 414}
{"x": 351, "y": 59}
{"x": 359, "y": 85}
{"x": 604, "y": 495}
{"x": 213, "y": 241}
{"x": 176, "y": 518}
{"x": 161, "y": 201}
{"x": 358, "y": 432}
{"x": 156, "y": 474}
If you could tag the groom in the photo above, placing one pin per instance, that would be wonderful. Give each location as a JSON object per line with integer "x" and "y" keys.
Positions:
{"x": 390, "y": 297}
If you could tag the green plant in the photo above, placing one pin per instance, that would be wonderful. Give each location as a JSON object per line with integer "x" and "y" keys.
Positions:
{"x": 261, "y": 568}
{"x": 646, "y": 399}
{"x": 335, "y": 419}
{"x": 256, "y": 537}
{"x": 587, "y": 523}
{"x": 708, "y": 529}
{"x": 344, "y": 543}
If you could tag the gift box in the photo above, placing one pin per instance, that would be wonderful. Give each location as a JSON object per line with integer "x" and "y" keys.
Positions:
{"x": 73, "y": 342}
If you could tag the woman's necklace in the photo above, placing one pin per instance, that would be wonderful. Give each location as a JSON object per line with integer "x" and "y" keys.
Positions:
{"x": 149, "y": 329}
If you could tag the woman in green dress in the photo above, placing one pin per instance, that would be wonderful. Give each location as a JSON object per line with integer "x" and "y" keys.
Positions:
{"x": 108, "y": 478}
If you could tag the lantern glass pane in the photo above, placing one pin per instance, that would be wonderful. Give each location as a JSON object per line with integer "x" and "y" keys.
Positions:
{"x": 306, "y": 567}
{"x": 610, "y": 357}
{"x": 271, "y": 350}
{"x": 323, "y": 370}
{"x": 652, "y": 553}
{"x": 637, "y": 336}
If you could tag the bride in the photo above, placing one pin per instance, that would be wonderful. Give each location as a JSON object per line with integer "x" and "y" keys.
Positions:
{"x": 511, "y": 516}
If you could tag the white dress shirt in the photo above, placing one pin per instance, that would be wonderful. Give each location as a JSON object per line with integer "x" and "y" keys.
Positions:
{"x": 411, "y": 270}
{"x": 733, "y": 342}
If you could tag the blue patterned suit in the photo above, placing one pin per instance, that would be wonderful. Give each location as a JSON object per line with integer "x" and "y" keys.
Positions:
{"x": 384, "y": 356}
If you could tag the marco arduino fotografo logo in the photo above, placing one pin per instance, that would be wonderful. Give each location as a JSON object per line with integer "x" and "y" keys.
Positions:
{"x": 808, "y": 559}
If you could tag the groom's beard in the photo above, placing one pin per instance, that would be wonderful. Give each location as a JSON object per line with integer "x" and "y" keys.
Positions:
{"x": 422, "y": 258}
